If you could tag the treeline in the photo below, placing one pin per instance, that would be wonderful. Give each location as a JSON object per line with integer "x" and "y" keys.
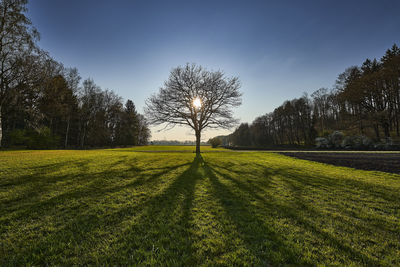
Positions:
{"x": 175, "y": 143}
{"x": 365, "y": 101}
{"x": 45, "y": 105}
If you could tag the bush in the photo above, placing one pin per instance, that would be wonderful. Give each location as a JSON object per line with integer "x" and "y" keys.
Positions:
{"x": 17, "y": 137}
{"x": 321, "y": 142}
{"x": 387, "y": 144}
{"x": 336, "y": 139}
{"x": 356, "y": 142}
{"x": 215, "y": 142}
{"x": 333, "y": 140}
{"x": 42, "y": 139}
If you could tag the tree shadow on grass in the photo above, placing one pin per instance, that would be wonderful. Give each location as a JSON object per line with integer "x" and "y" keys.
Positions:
{"x": 267, "y": 246}
{"x": 161, "y": 233}
{"x": 74, "y": 210}
{"x": 92, "y": 185}
{"x": 157, "y": 228}
{"x": 297, "y": 210}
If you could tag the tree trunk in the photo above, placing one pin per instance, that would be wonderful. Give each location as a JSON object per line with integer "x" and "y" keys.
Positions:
{"x": 376, "y": 128}
{"x": 1, "y": 129}
{"x": 386, "y": 129}
{"x": 83, "y": 136}
{"x": 198, "y": 135}
{"x": 397, "y": 122}
{"x": 66, "y": 134}
{"x": 397, "y": 114}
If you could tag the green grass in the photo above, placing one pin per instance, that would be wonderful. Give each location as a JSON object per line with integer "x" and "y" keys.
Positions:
{"x": 123, "y": 207}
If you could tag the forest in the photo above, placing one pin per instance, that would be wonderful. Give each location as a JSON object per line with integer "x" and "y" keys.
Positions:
{"x": 44, "y": 104}
{"x": 364, "y": 104}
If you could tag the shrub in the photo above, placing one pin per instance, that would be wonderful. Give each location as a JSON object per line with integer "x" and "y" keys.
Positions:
{"x": 17, "y": 137}
{"x": 357, "y": 142}
{"x": 42, "y": 139}
{"x": 336, "y": 139}
{"x": 321, "y": 142}
{"x": 215, "y": 142}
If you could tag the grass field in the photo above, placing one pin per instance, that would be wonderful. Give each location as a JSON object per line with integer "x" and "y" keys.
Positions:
{"x": 126, "y": 207}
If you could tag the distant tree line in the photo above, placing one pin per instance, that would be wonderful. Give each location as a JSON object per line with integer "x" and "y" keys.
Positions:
{"x": 175, "y": 143}
{"x": 45, "y": 105}
{"x": 365, "y": 101}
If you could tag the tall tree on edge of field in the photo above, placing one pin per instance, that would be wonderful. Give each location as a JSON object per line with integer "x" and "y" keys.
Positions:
{"x": 17, "y": 37}
{"x": 196, "y": 97}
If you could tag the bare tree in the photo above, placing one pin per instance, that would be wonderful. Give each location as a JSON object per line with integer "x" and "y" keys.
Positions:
{"x": 196, "y": 97}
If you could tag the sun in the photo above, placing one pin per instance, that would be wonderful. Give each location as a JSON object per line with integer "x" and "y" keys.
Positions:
{"x": 197, "y": 102}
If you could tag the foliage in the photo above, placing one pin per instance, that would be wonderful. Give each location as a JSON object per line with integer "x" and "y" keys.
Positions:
{"x": 17, "y": 137}
{"x": 364, "y": 102}
{"x": 336, "y": 139}
{"x": 17, "y": 48}
{"x": 121, "y": 207}
{"x": 37, "y": 93}
{"x": 42, "y": 139}
{"x": 322, "y": 142}
{"x": 176, "y": 143}
{"x": 291, "y": 123}
{"x": 357, "y": 142}
{"x": 172, "y": 148}
{"x": 215, "y": 142}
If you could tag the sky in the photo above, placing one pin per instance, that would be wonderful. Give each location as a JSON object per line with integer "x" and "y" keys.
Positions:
{"x": 278, "y": 49}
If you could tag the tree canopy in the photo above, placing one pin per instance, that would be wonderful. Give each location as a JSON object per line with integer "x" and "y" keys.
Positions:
{"x": 195, "y": 97}
{"x": 365, "y": 102}
{"x": 44, "y": 105}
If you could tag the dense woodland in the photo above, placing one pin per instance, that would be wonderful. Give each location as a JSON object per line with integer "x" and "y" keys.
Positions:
{"x": 365, "y": 101}
{"x": 45, "y": 105}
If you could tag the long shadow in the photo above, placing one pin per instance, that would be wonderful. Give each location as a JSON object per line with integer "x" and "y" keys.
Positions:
{"x": 35, "y": 173}
{"x": 377, "y": 190}
{"x": 94, "y": 188}
{"x": 297, "y": 184}
{"x": 146, "y": 230}
{"x": 161, "y": 234}
{"x": 261, "y": 240}
{"x": 28, "y": 188}
{"x": 292, "y": 210}
{"x": 157, "y": 229}
{"x": 81, "y": 221}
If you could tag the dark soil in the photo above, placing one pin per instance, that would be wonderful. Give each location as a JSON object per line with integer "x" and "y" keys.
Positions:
{"x": 385, "y": 162}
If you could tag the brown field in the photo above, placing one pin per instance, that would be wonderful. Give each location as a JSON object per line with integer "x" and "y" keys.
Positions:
{"x": 385, "y": 162}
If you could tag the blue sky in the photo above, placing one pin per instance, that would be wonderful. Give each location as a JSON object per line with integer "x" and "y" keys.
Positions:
{"x": 278, "y": 49}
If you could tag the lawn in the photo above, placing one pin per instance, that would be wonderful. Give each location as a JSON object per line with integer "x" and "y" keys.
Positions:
{"x": 127, "y": 207}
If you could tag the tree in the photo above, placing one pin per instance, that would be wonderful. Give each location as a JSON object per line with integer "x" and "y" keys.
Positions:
{"x": 321, "y": 105}
{"x": 41, "y": 101}
{"x": 143, "y": 134}
{"x": 196, "y": 97}
{"x": 129, "y": 125}
{"x": 17, "y": 40}
{"x": 90, "y": 103}
{"x": 241, "y": 136}
{"x": 214, "y": 142}
{"x": 72, "y": 79}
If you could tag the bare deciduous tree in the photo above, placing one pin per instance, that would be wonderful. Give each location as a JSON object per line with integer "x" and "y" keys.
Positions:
{"x": 196, "y": 97}
{"x": 17, "y": 41}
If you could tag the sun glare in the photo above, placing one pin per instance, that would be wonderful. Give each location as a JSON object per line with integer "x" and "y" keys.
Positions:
{"x": 197, "y": 102}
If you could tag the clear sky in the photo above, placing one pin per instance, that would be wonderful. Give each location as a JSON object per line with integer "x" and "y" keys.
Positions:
{"x": 278, "y": 49}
